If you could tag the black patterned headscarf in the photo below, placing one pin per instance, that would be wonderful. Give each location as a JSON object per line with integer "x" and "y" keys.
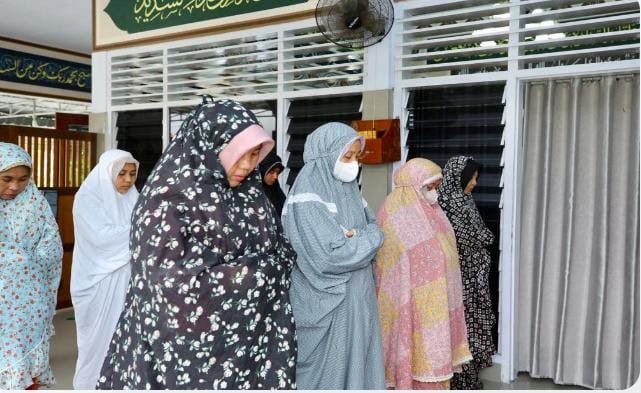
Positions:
{"x": 273, "y": 192}
{"x": 207, "y": 305}
{"x": 471, "y": 167}
{"x": 460, "y": 208}
{"x": 450, "y": 192}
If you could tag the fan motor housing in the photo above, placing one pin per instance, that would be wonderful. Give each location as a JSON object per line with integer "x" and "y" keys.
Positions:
{"x": 353, "y": 22}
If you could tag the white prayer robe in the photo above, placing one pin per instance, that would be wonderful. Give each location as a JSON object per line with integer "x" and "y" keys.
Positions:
{"x": 100, "y": 270}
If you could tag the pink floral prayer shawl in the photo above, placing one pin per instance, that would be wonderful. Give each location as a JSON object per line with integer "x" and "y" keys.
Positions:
{"x": 419, "y": 287}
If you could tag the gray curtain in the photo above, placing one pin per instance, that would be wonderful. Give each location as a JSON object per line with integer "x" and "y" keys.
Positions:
{"x": 578, "y": 319}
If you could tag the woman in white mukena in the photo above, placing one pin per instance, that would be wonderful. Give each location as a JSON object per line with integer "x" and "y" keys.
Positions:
{"x": 100, "y": 270}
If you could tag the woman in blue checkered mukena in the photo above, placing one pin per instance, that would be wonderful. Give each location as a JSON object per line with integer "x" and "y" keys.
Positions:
{"x": 333, "y": 293}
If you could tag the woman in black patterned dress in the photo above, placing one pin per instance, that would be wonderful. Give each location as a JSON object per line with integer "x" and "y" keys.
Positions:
{"x": 472, "y": 238}
{"x": 207, "y": 306}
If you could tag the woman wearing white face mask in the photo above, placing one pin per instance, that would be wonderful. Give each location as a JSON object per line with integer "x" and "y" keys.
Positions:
{"x": 419, "y": 284}
{"x": 336, "y": 238}
{"x": 100, "y": 270}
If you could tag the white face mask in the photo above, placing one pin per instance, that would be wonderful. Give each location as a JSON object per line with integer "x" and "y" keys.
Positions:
{"x": 346, "y": 171}
{"x": 430, "y": 196}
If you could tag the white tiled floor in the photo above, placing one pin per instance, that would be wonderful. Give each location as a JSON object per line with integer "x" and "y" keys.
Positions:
{"x": 63, "y": 360}
{"x": 63, "y": 350}
{"x": 524, "y": 382}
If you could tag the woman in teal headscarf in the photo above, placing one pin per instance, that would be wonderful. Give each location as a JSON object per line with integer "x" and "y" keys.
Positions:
{"x": 30, "y": 265}
{"x": 333, "y": 294}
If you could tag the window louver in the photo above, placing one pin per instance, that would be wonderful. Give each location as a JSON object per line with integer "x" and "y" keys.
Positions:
{"x": 454, "y": 38}
{"x": 460, "y": 121}
{"x": 139, "y": 132}
{"x": 241, "y": 66}
{"x": 308, "y": 114}
{"x": 311, "y": 62}
{"x": 558, "y": 33}
{"x": 137, "y": 78}
{"x": 266, "y": 61}
{"x": 459, "y": 37}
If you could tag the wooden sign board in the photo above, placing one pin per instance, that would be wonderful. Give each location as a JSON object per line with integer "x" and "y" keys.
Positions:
{"x": 119, "y": 23}
{"x": 382, "y": 140}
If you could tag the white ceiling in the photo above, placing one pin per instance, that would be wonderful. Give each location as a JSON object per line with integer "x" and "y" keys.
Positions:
{"x": 62, "y": 24}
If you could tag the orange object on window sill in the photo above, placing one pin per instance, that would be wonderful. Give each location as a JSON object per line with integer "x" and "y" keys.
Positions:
{"x": 382, "y": 140}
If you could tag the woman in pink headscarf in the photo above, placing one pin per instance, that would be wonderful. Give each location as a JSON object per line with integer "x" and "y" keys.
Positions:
{"x": 418, "y": 282}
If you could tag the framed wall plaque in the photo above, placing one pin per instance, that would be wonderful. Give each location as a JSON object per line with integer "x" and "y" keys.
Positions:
{"x": 119, "y": 23}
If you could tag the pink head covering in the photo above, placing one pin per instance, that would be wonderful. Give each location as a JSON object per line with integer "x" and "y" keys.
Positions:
{"x": 419, "y": 285}
{"x": 245, "y": 141}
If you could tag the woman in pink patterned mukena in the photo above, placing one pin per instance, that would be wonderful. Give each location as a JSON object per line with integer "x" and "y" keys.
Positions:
{"x": 30, "y": 266}
{"x": 419, "y": 286}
